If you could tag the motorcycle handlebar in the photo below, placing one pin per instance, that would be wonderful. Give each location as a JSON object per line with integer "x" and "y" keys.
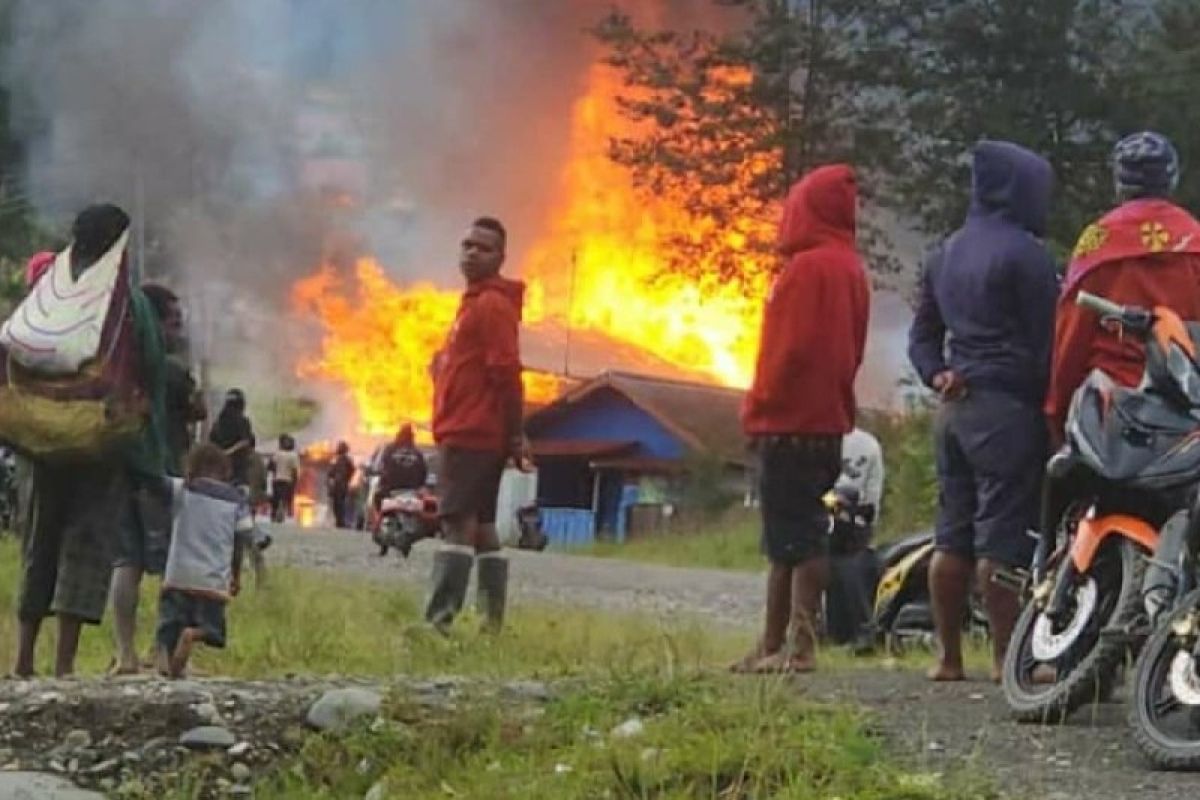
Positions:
{"x": 1105, "y": 308}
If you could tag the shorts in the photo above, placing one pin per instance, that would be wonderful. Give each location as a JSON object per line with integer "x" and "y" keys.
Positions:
{"x": 144, "y": 532}
{"x": 469, "y": 483}
{"x": 796, "y": 473}
{"x": 178, "y": 610}
{"x": 69, "y": 541}
{"x": 991, "y": 454}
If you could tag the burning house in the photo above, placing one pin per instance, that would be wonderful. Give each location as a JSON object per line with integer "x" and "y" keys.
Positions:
{"x": 614, "y": 452}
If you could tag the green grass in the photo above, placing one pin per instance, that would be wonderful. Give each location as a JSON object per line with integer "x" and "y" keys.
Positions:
{"x": 704, "y": 737}
{"x": 317, "y": 623}
{"x": 707, "y": 734}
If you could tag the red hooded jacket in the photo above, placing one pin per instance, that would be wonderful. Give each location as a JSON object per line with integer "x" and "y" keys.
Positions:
{"x": 815, "y": 323}
{"x": 1144, "y": 253}
{"x": 478, "y": 365}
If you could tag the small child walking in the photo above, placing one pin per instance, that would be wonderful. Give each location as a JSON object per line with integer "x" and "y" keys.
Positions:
{"x": 212, "y": 525}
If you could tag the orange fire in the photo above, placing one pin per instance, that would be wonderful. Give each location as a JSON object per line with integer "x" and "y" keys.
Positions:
{"x": 616, "y": 285}
{"x": 598, "y": 266}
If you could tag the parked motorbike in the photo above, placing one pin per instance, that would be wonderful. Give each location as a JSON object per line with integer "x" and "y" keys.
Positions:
{"x": 903, "y": 614}
{"x": 405, "y": 517}
{"x": 8, "y": 489}
{"x": 1130, "y": 465}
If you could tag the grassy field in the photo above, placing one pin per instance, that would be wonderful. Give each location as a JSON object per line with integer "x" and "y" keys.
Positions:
{"x": 706, "y": 734}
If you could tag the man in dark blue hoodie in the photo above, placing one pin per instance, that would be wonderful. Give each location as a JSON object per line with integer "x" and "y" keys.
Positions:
{"x": 982, "y": 339}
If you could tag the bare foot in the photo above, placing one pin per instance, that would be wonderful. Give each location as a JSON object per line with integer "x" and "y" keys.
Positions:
{"x": 116, "y": 669}
{"x": 183, "y": 651}
{"x": 747, "y": 663}
{"x": 780, "y": 664}
{"x": 946, "y": 673}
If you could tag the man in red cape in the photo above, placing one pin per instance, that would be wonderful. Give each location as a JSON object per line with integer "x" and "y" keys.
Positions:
{"x": 1145, "y": 252}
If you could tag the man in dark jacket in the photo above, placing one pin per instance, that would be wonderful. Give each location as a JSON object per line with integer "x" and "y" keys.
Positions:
{"x": 802, "y": 403}
{"x": 234, "y": 434}
{"x": 477, "y": 423}
{"x": 341, "y": 474}
{"x": 401, "y": 466}
{"x": 981, "y": 338}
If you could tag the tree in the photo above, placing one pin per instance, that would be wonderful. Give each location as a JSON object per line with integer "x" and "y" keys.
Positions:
{"x": 724, "y": 121}
{"x": 1042, "y": 73}
{"x": 1159, "y": 92}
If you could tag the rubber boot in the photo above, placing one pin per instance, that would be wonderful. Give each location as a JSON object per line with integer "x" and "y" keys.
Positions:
{"x": 491, "y": 591}
{"x": 450, "y": 580}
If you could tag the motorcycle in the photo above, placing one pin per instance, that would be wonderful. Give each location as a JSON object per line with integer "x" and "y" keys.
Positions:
{"x": 405, "y": 517}
{"x": 903, "y": 613}
{"x": 1127, "y": 472}
{"x": 8, "y": 489}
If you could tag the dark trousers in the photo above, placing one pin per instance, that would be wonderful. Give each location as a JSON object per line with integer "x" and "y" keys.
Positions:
{"x": 283, "y": 495}
{"x": 338, "y": 498}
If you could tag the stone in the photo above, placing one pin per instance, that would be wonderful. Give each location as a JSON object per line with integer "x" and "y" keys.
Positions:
{"x": 208, "y": 737}
{"x": 78, "y": 739}
{"x": 376, "y": 792}
{"x": 629, "y": 729}
{"x": 337, "y": 709}
{"x": 28, "y": 785}
{"x": 240, "y": 772}
{"x": 530, "y": 690}
{"x": 207, "y": 713}
{"x": 240, "y": 749}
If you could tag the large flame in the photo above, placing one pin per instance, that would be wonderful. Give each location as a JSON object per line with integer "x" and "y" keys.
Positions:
{"x": 598, "y": 267}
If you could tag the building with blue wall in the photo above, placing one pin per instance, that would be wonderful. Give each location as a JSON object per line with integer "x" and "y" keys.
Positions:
{"x": 623, "y": 441}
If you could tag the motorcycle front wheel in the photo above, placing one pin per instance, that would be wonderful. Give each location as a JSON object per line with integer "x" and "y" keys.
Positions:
{"x": 1053, "y": 668}
{"x": 1165, "y": 707}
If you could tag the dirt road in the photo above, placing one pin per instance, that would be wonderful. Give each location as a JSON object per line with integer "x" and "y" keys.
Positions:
{"x": 939, "y": 727}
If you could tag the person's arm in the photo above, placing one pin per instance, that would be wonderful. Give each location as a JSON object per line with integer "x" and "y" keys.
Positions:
{"x": 243, "y": 537}
{"x": 502, "y": 330}
{"x": 927, "y": 335}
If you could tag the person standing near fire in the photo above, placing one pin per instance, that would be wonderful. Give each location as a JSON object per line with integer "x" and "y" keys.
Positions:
{"x": 478, "y": 411}
{"x": 802, "y": 403}
{"x": 981, "y": 338}
{"x": 341, "y": 474}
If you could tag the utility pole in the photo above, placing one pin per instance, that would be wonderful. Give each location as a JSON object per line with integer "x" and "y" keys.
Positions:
{"x": 570, "y": 313}
{"x": 139, "y": 220}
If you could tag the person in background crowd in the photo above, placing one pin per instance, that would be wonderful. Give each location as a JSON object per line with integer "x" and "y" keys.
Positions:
{"x": 145, "y": 527}
{"x": 802, "y": 403}
{"x": 234, "y": 434}
{"x": 854, "y": 570}
{"x": 863, "y": 468}
{"x": 478, "y": 414}
{"x": 401, "y": 466}
{"x": 285, "y": 469}
{"x": 212, "y": 526}
{"x": 67, "y": 551}
{"x": 341, "y": 473}
{"x": 1146, "y": 252}
{"x": 987, "y": 300}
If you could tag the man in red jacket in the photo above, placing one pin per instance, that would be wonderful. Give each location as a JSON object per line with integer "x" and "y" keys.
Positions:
{"x": 477, "y": 424}
{"x": 802, "y": 403}
{"x": 1146, "y": 252}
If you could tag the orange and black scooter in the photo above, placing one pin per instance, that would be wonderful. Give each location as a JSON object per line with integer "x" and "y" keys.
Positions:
{"x": 1126, "y": 475}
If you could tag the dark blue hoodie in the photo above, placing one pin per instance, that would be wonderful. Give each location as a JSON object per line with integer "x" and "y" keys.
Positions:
{"x": 988, "y": 292}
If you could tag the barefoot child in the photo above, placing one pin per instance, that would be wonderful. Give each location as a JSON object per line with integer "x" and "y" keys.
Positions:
{"x": 212, "y": 524}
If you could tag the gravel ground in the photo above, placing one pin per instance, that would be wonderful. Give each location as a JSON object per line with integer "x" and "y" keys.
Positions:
{"x": 729, "y": 598}
{"x": 938, "y": 727}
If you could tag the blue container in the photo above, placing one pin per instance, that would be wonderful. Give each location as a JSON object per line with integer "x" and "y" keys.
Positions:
{"x": 568, "y": 527}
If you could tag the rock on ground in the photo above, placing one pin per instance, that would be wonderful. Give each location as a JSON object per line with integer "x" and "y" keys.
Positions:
{"x": 38, "y": 786}
{"x": 339, "y": 708}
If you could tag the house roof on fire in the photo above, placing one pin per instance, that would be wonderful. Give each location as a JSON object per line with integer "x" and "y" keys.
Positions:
{"x": 704, "y": 417}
